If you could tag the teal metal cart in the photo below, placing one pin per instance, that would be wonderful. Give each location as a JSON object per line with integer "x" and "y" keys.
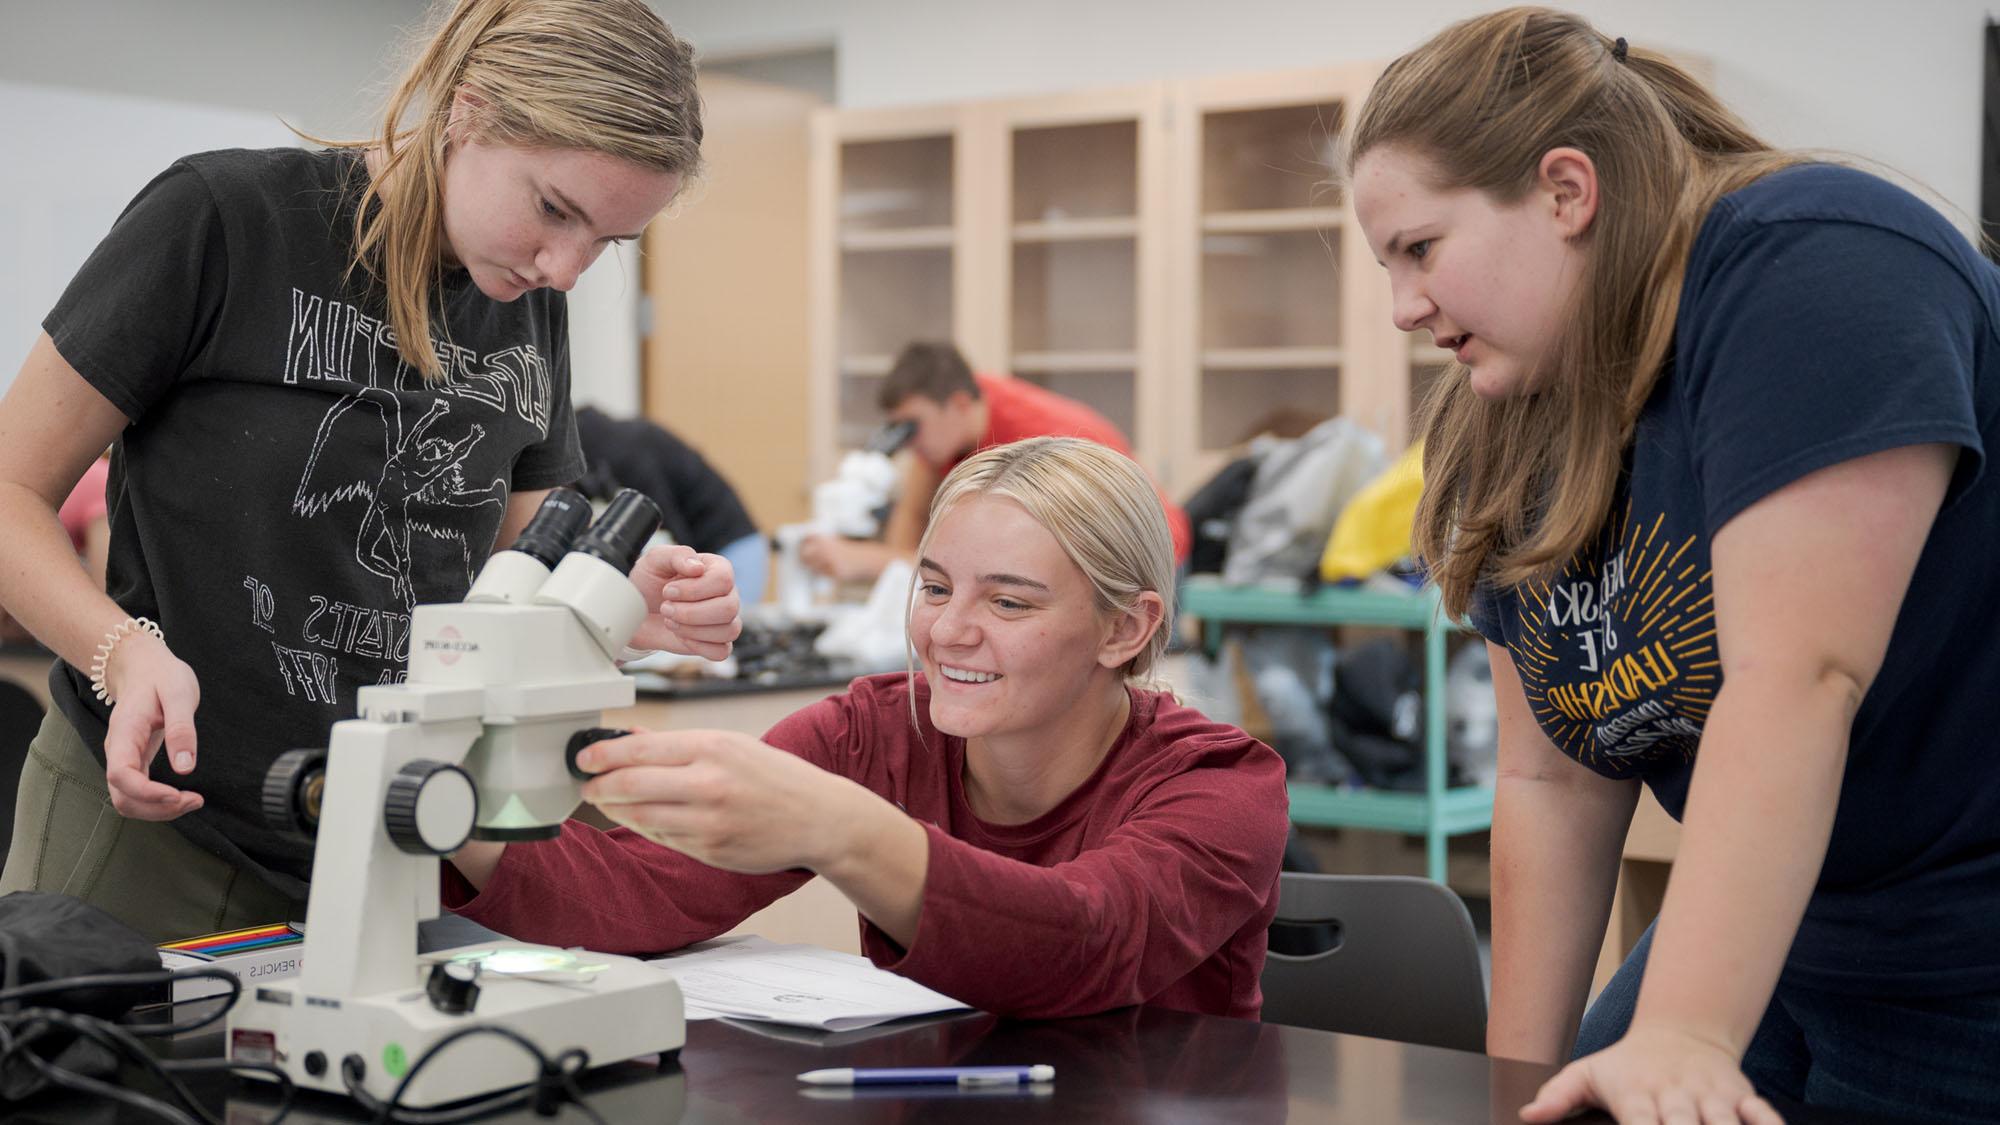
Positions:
{"x": 1440, "y": 811}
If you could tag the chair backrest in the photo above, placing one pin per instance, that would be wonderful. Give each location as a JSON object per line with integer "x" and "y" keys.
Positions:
{"x": 1397, "y": 959}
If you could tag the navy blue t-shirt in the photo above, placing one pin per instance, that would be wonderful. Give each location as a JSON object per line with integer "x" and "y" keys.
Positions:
{"x": 1826, "y": 315}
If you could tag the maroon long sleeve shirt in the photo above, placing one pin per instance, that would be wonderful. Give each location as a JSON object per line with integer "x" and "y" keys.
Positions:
{"x": 1154, "y": 882}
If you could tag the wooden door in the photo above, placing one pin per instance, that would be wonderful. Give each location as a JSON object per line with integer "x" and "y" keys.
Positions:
{"x": 727, "y": 356}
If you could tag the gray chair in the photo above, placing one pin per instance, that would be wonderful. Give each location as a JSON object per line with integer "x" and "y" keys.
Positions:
{"x": 1386, "y": 956}
{"x": 20, "y": 718}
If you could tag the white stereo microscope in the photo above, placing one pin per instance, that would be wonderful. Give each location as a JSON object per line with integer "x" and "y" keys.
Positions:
{"x": 504, "y": 689}
{"x": 850, "y": 504}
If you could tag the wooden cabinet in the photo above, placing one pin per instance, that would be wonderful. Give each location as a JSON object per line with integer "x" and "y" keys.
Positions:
{"x": 1173, "y": 254}
{"x": 891, "y": 260}
{"x": 1084, "y": 261}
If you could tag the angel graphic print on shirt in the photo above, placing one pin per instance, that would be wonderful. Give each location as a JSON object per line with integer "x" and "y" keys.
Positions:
{"x": 289, "y": 489}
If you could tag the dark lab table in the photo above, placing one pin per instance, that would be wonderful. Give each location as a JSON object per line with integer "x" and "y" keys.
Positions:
{"x": 1138, "y": 1065}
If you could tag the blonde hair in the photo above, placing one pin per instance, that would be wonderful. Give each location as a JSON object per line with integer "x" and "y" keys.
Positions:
{"x": 1516, "y": 487}
{"x": 604, "y": 76}
{"x": 1103, "y": 511}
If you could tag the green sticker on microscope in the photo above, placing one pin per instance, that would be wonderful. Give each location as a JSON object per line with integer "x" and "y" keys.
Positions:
{"x": 394, "y": 1060}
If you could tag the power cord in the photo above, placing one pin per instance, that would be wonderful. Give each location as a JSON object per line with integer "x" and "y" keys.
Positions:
{"x": 22, "y": 1028}
{"x": 554, "y": 1084}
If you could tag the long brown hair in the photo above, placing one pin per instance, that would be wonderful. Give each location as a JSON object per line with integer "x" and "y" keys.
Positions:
{"x": 1515, "y": 487}
{"x": 604, "y": 76}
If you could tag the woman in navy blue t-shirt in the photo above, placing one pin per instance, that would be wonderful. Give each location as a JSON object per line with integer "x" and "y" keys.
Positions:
{"x": 1709, "y": 477}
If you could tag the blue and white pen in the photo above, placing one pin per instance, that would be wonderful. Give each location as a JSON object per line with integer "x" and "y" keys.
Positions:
{"x": 967, "y": 1076}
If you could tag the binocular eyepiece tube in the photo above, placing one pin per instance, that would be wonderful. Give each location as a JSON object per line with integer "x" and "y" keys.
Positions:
{"x": 562, "y": 526}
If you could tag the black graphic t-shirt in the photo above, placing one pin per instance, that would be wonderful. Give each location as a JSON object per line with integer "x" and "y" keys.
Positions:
{"x": 1826, "y": 315}
{"x": 288, "y": 489}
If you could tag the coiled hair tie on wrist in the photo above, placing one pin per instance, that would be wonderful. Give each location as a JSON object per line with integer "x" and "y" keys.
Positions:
{"x": 102, "y": 658}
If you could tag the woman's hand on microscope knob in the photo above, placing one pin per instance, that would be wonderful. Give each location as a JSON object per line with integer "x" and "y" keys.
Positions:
{"x": 156, "y": 694}
{"x": 726, "y": 799}
{"x": 691, "y": 603}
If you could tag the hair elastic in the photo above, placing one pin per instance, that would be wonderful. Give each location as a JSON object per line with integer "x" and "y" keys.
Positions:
{"x": 102, "y": 658}
{"x": 1618, "y": 49}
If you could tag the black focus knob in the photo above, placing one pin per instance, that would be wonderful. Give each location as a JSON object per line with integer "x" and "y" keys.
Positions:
{"x": 453, "y": 988}
{"x": 293, "y": 788}
{"x": 584, "y": 738}
{"x": 430, "y": 808}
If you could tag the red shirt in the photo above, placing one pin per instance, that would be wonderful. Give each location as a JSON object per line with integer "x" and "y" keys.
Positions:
{"x": 1017, "y": 409}
{"x": 86, "y": 503}
{"x": 1153, "y": 883}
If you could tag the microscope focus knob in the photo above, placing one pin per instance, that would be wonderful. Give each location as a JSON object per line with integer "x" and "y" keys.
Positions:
{"x": 430, "y": 808}
{"x": 292, "y": 790}
{"x": 582, "y": 739}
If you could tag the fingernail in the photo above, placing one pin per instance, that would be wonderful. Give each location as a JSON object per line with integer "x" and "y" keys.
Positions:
{"x": 183, "y": 761}
{"x": 673, "y": 591}
{"x": 667, "y": 611}
{"x": 587, "y": 759}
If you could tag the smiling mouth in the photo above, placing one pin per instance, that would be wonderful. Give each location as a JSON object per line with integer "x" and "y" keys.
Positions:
{"x": 1452, "y": 343}
{"x": 966, "y": 675}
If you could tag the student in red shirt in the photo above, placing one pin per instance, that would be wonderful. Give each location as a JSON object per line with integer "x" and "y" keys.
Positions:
{"x": 957, "y": 413}
{"x": 1021, "y": 824}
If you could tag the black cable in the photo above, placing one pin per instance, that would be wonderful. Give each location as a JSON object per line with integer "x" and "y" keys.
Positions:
{"x": 552, "y": 1075}
{"x": 16, "y": 993}
{"x": 569, "y": 1082}
{"x": 35, "y": 1020}
{"x": 21, "y": 1028}
{"x": 287, "y": 1088}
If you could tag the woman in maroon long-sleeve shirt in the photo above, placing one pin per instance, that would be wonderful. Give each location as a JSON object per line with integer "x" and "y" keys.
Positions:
{"x": 1021, "y": 825}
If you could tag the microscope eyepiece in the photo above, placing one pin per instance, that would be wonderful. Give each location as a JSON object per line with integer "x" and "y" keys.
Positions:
{"x": 891, "y": 437}
{"x": 620, "y": 534}
{"x": 548, "y": 536}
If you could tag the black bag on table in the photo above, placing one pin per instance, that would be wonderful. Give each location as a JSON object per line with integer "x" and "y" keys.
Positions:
{"x": 52, "y": 937}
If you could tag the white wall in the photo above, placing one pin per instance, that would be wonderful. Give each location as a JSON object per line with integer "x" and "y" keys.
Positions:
{"x": 323, "y": 64}
{"x": 1896, "y": 82}
{"x": 97, "y": 96}
{"x": 73, "y": 160}
{"x": 1899, "y": 82}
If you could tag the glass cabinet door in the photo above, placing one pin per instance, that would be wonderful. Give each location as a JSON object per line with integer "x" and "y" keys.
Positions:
{"x": 1270, "y": 336}
{"x": 896, "y": 242}
{"x": 1074, "y": 263}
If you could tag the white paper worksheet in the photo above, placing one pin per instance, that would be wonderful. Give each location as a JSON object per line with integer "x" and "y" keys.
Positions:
{"x": 751, "y": 978}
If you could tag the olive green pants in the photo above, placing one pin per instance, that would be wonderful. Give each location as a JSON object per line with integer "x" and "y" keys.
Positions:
{"x": 68, "y": 839}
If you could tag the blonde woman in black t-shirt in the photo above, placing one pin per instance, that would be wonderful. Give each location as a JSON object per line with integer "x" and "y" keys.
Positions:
{"x": 333, "y": 382}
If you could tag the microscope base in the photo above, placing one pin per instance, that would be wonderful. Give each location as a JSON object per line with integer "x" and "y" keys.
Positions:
{"x": 624, "y": 1010}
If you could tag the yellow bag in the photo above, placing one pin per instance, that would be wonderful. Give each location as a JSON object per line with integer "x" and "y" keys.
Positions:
{"x": 1373, "y": 531}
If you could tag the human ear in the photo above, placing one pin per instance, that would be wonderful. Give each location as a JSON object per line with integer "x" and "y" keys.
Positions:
{"x": 1568, "y": 177}
{"x": 1132, "y": 630}
{"x": 465, "y": 106}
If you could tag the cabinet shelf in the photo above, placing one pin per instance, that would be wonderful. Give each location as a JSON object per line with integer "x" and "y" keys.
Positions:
{"x": 1038, "y": 363}
{"x": 1439, "y": 810}
{"x": 874, "y": 366}
{"x": 897, "y": 238}
{"x": 1268, "y": 359}
{"x": 1278, "y": 219}
{"x": 1168, "y": 253}
{"x": 1077, "y": 230}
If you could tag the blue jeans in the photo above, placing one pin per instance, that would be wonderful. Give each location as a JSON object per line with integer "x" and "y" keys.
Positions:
{"x": 1929, "y": 1058}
